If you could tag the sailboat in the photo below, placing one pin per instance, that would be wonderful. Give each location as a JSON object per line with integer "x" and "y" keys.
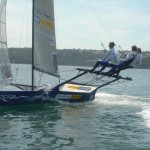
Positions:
{"x": 44, "y": 58}
{"x": 80, "y": 88}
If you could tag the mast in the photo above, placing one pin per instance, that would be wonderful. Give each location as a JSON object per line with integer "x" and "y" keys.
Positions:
{"x": 32, "y": 46}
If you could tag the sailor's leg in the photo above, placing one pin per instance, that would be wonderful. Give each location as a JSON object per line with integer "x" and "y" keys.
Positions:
{"x": 95, "y": 66}
{"x": 104, "y": 65}
{"x": 99, "y": 63}
{"x": 102, "y": 69}
{"x": 121, "y": 67}
{"x": 111, "y": 71}
{"x": 116, "y": 72}
{"x": 115, "y": 69}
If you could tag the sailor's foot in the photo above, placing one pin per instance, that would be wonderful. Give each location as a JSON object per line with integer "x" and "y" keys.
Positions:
{"x": 91, "y": 70}
{"x": 98, "y": 72}
{"x": 129, "y": 78}
{"x": 116, "y": 76}
{"x": 109, "y": 74}
{"x": 103, "y": 73}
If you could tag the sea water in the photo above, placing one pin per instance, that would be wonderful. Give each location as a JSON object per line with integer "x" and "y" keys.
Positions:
{"x": 118, "y": 118}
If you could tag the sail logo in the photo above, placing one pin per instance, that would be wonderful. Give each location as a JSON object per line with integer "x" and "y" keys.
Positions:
{"x": 52, "y": 41}
{"x": 46, "y": 23}
{"x": 37, "y": 19}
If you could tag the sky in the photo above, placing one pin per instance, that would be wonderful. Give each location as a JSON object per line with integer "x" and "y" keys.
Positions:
{"x": 85, "y": 24}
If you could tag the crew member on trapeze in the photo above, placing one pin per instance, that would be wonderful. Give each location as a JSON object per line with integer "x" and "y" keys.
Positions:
{"x": 133, "y": 59}
{"x": 111, "y": 59}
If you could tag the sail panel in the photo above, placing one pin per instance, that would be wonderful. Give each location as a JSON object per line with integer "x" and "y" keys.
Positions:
{"x": 45, "y": 57}
{"x": 5, "y": 67}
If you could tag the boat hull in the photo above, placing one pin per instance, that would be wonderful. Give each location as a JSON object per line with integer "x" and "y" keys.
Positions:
{"x": 22, "y": 97}
{"x": 72, "y": 97}
{"x": 11, "y": 98}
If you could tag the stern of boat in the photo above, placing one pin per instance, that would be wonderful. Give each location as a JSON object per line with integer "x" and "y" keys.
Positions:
{"x": 73, "y": 93}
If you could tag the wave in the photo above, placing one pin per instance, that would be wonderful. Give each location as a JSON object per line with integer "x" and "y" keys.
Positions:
{"x": 141, "y": 102}
{"x": 145, "y": 114}
{"x": 115, "y": 99}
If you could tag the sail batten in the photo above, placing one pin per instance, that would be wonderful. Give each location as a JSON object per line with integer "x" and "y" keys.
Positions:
{"x": 45, "y": 56}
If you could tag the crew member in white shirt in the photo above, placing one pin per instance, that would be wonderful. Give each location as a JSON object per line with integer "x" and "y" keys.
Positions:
{"x": 138, "y": 58}
{"x": 133, "y": 59}
{"x": 109, "y": 60}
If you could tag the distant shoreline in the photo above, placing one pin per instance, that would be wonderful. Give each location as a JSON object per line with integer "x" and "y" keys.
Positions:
{"x": 71, "y": 57}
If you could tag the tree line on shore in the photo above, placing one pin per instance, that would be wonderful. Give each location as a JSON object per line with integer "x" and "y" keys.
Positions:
{"x": 71, "y": 57}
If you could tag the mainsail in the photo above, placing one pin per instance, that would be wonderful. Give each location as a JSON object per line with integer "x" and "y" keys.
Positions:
{"x": 44, "y": 43}
{"x": 5, "y": 68}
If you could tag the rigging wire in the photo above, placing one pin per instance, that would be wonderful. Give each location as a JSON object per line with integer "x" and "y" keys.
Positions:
{"x": 24, "y": 19}
{"x": 94, "y": 31}
{"x": 109, "y": 34}
{"x": 94, "y": 18}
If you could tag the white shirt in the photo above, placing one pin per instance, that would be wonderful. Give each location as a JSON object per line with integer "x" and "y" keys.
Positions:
{"x": 112, "y": 56}
{"x": 130, "y": 56}
{"x": 137, "y": 60}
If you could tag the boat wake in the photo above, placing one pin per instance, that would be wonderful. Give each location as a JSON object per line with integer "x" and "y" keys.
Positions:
{"x": 145, "y": 114}
{"x": 113, "y": 99}
{"x": 142, "y": 103}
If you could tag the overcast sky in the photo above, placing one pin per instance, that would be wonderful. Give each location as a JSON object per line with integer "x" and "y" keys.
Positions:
{"x": 86, "y": 24}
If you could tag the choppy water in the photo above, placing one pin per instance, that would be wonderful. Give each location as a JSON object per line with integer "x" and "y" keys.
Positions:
{"x": 118, "y": 119}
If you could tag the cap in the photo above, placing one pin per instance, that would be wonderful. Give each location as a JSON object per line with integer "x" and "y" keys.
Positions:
{"x": 112, "y": 43}
{"x": 134, "y": 48}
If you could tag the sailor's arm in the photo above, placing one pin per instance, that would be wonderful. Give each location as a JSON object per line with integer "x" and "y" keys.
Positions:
{"x": 139, "y": 59}
{"x": 106, "y": 57}
{"x": 129, "y": 56}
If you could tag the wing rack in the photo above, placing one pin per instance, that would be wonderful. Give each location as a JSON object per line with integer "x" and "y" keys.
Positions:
{"x": 102, "y": 73}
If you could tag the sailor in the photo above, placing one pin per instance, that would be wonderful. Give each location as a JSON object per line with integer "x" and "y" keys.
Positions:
{"x": 133, "y": 59}
{"x": 109, "y": 60}
{"x": 138, "y": 58}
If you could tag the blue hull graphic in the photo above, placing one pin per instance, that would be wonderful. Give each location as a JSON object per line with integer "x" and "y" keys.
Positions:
{"x": 22, "y": 97}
